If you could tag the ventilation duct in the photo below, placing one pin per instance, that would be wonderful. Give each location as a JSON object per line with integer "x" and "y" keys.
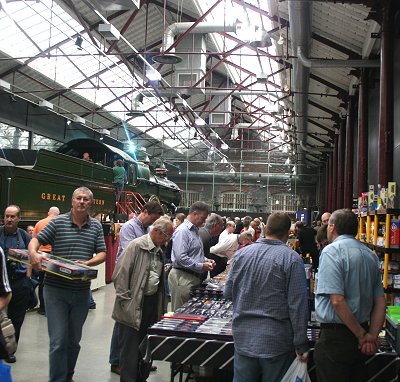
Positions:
{"x": 330, "y": 63}
{"x": 115, "y": 5}
{"x": 221, "y": 107}
{"x": 300, "y": 21}
{"x": 178, "y": 28}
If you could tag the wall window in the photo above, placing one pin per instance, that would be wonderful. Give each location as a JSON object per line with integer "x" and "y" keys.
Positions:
{"x": 189, "y": 197}
{"x": 234, "y": 201}
{"x": 12, "y": 137}
{"x": 41, "y": 142}
{"x": 283, "y": 203}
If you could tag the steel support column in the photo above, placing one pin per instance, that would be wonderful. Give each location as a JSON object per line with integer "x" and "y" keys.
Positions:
{"x": 349, "y": 156}
{"x": 385, "y": 142}
{"x": 340, "y": 165}
{"x": 334, "y": 173}
{"x": 324, "y": 197}
{"x": 362, "y": 134}
{"x": 330, "y": 184}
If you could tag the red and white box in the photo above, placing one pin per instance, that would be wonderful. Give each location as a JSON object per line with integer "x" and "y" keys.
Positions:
{"x": 394, "y": 233}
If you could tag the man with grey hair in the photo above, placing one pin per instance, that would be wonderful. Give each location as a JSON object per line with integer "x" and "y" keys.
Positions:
{"x": 228, "y": 246}
{"x": 267, "y": 285}
{"x": 349, "y": 302}
{"x": 140, "y": 300}
{"x": 187, "y": 255}
{"x": 75, "y": 236}
{"x": 209, "y": 234}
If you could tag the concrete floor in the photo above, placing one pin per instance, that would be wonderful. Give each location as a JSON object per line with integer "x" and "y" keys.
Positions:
{"x": 32, "y": 354}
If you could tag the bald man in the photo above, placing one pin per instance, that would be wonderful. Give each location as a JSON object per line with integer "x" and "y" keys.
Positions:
{"x": 325, "y": 217}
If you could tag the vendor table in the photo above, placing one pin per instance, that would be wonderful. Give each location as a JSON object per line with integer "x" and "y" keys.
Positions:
{"x": 218, "y": 355}
{"x": 199, "y": 335}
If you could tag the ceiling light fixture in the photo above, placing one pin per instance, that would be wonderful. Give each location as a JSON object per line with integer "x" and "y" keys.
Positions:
{"x": 167, "y": 59}
{"x": 79, "y": 120}
{"x": 281, "y": 40}
{"x": 199, "y": 122}
{"x": 5, "y": 85}
{"x": 224, "y": 146}
{"x": 153, "y": 74}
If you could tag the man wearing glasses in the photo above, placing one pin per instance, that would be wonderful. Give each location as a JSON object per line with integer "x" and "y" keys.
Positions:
{"x": 136, "y": 227}
{"x": 74, "y": 236}
{"x": 140, "y": 300}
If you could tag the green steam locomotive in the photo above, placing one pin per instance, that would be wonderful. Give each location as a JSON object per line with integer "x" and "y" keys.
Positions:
{"x": 37, "y": 180}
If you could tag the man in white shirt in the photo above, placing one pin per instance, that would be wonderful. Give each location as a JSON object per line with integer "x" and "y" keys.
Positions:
{"x": 230, "y": 228}
{"x": 228, "y": 246}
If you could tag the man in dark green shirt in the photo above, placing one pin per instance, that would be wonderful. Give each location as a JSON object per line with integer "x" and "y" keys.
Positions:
{"x": 119, "y": 178}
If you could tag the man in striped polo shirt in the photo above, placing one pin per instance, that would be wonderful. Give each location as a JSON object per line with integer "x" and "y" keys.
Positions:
{"x": 74, "y": 236}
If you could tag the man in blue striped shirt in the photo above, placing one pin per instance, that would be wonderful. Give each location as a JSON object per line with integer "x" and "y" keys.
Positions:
{"x": 267, "y": 284}
{"x": 74, "y": 236}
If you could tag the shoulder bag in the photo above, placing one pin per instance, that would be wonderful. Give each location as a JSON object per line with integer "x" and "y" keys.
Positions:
{"x": 8, "y": 344}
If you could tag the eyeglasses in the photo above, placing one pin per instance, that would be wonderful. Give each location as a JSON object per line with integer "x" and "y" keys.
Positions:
{"x": 84, "y": 199}
{"x": 166, "y": 235}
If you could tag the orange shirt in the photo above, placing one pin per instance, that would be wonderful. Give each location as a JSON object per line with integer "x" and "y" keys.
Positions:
{"x": 38, "y": 227}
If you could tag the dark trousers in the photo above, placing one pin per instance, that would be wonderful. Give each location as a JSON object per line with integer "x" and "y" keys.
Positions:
{"x": 40, "y": 287}
{"x": 130, "y": 339}
{"x": 16, "y": 309}
{"x": 220, "y": 264}
{"x": 337, "y": 357}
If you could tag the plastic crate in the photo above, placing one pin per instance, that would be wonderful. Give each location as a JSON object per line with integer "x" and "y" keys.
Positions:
{"x": 393, "y": 333}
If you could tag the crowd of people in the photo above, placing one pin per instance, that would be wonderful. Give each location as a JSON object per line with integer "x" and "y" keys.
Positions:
{"x": 161, "y": 256}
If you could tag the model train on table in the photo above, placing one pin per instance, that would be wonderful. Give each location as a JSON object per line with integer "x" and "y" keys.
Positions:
{"x": 37, "y": 180}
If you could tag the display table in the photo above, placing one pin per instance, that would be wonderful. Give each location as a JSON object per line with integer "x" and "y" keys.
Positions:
{"x": 218, "y": 355}
{"x": 199, "y": 334}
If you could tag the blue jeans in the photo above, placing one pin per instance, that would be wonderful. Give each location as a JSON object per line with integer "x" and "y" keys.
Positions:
{"x": 114, "y": 347}
{"x": 66, "y": 313}
{"x": 248, "y": 369}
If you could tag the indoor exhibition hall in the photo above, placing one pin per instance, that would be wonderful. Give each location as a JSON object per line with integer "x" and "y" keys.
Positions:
{"x": 199, "y": 190}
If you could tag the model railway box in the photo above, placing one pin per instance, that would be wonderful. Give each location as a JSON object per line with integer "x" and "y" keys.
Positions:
{"x": 394, "y": 233}
{"x": 56, "y": 265}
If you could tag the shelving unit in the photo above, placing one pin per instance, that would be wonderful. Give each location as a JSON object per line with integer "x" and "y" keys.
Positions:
{"x": 371, "y": 224}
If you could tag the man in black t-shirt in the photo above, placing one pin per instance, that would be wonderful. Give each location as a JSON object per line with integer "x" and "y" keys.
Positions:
{"x": 307, "y": 244}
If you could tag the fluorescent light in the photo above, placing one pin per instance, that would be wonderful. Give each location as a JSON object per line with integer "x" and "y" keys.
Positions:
{"x": 46, "y": 104}
{"x": 153, "y": 75}
{"x": 80, "y": 120}
{"x": 224, "y": 146}
{"x": 5, "y": 85}
{"x": 199, "y": 122}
